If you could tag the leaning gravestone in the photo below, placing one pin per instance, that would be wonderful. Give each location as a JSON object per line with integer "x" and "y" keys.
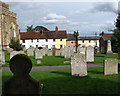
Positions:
{"x": 57, "y": 52}
{"x": 21, "y": 83}
{"x": 78, "y": 65}
{"x": 2, "y": 57}
{"x": 30, "y": 52}
{"x": 15, "y": 53}
{"x": 89, "y": 54}
{"x": 49, "y": 53}
{"x": 110, "y": 66}
{"x": 38, "y": 54}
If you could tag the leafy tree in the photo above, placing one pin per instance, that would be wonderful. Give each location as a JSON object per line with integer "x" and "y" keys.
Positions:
{"x": 15, "y": 44}
{"x": 41, "y": 28}
{"x": 116, "y": 37}
{"x": 30, "y": 28}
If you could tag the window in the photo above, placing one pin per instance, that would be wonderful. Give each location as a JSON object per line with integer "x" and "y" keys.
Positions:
{"x": 82, "y": 41}
{"x": 36, "y": 46}
{"x": 60, "y": 39}
{"x": 37, "y": 40}
{"x": 53, "y": 46}
{"x": 89, "y": 41}
{"x": 30, "y": 46}
{"x": 46, "y": 46}
{"x": 23, "y": 41}
{"x": 46, "y": 40}
{"x": 72, "y": 42}
{"x": 54, "y": 40}
{"x": 60, "y": 46}
{"x": 23, "y": 45}
{"x": 32, "y": 40}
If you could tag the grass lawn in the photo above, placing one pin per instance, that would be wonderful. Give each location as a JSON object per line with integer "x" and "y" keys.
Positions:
{"x": 61, "y": 82}
{"x": 58, "y": 60}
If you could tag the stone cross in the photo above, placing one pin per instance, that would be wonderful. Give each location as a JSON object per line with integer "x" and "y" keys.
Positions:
{"x": 78, "y": 65}
{"x": 21, "y": 83}
{"x": 109, "y": 48}
{"x": 110, "y": 66}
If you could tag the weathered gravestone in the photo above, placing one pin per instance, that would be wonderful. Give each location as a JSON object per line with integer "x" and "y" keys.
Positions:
{"x": 110, "y": 66}
{"x": 2, "y": 57}
{"x": 24, "y": 49}
{"x": 49, "y": 53}
{"x": 38, "y": 62}
{"x": 67, "y": 53}
{"x": 43, "y": 51}
{"x": 30, "y": 52}
{"x": 89, "y": 54}
{"x": 9, "y": 50}
{"x": 62, "y": 51}
{"x": 21, "y": 83}
{"x": 57, "y": 52}
{"x": 15, "y": 53}
{"x": 78, "y": 65}
{"x": 81, "y": 50}
{"x": 38, "y": 54}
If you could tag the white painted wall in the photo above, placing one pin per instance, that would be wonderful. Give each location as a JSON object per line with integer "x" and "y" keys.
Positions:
{"x": 41, "y": 43}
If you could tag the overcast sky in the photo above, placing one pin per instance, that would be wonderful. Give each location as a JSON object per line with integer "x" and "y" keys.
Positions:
{"x": 86, "y": 17}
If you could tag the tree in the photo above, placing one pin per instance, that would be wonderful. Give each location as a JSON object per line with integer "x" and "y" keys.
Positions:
{"x": 116, "y": 37}
{"x": 15, "y": 44}
{"x": 41, "y": 28}
{"x": 30, "y": 28}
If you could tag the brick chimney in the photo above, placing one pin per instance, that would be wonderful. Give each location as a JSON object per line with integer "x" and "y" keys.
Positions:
{"x": 56, "y": 28}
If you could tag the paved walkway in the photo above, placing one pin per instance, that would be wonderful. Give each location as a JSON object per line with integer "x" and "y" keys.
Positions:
{"x": 60, "y": 67}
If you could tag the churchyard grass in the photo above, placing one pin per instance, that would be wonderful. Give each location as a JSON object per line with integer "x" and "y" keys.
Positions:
{"x": 61, "y": 82}
{"x": 58, "y": 60}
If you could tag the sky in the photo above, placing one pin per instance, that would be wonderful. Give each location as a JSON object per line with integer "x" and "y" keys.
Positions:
{"x": 86, "y": 17}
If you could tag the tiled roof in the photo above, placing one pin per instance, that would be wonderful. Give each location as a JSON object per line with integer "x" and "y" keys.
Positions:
{"x": 105, "y": 38}
{"x": 89, "y": 38}
{"x": 43, "y": 35}
{"x": 70, "y": 37}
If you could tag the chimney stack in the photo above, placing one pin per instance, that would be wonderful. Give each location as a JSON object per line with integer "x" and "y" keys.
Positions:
{"x": 56, "y": 29}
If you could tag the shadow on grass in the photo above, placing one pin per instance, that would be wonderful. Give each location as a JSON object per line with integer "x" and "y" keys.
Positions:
{"x": 60, "y": 56}
{"x": 66, "y": 84}
{"x": 99, "y": 55}
{"x": 96, "y": 72}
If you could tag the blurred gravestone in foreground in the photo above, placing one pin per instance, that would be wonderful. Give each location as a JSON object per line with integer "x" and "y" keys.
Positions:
{"x": 21, "y": 83}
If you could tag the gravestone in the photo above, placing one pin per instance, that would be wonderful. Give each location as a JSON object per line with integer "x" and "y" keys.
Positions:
{"x": 15, "y": 53}
{"x": 2, "y": 57}
{"x": 62, "y": 51}
{"x": 9, "y": 50}
{"x": 57, "y": 52}
{"x": 21, "y": 83}
{"x": 89, "y": 54}
{"x": 49, "y": 53}
{"x": 78, "y": 65}
{"x": 30, "y": 52}
{"x": 43, "y": 51}
{"x": 110, "y": 66}
{"x": 81, "y": 50}
{"x": 67, "y": 53}
{"x": 38, "y": 54}
{"x": 38, "y": 62}
{"x": 54, "y": 50}
{"x": 109, "y": 48}
{"x": 24, "y": 49}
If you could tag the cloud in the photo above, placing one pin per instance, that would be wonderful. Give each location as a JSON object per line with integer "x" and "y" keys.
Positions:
{"x": 54, "y": 18}
{"x": 105, "y": 7}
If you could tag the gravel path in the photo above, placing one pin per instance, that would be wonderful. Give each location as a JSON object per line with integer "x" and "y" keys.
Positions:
{"x": 61, "y": 67}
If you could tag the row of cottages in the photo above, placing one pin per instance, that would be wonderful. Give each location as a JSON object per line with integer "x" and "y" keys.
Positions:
{"x": 83, "y": 41}
{"x": 48, "y": 39}
{"x": 105, "y": 37}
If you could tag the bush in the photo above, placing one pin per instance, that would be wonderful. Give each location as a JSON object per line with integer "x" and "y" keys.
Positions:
{"x": 15, "y": 44}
